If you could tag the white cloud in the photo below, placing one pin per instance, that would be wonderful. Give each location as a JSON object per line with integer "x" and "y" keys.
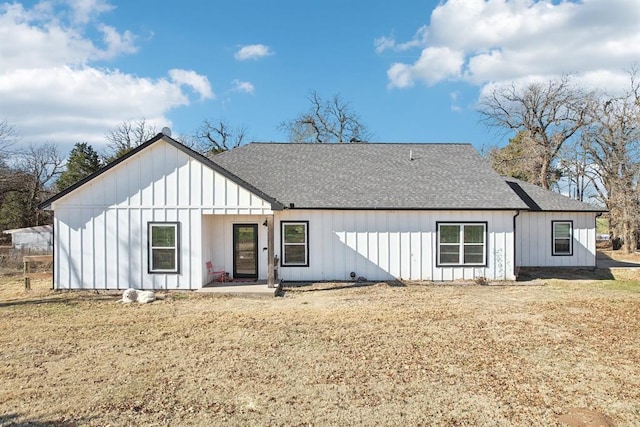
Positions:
{"x": 243, "y": 87}
{"x": 200, "y": 84}
{"x": 434, "y": 65}
{"x": 484, "y": 41}
{"x": 453, "y": 96}
{"x": 69, "y": 101}
{"x": 50, "y": 89}
{"x": 253, "y": 51}
{"x": 419, "y": 39}
{"x": 116, "y": 43}
{"x": 83, "y": 11}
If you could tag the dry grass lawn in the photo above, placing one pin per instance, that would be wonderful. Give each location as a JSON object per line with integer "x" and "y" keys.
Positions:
{"x": 323, "y": 355}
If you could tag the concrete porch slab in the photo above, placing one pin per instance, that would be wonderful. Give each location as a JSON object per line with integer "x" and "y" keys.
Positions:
{"x": 259, "y": 289}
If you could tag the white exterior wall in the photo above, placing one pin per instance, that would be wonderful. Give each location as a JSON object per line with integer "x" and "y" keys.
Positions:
{"x": 533, "y": 233}
{"x": 384, "y": 245}
{"x": 101, "y": 237}
{"x": 32, "y": 240}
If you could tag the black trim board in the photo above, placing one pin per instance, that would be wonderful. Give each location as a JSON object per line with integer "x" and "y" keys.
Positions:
{"x": 342, "y": 208}
{"x": 524, "y": 196}
{"x": 275, "y": 205}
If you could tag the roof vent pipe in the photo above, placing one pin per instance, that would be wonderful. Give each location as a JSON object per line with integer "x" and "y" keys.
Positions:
{"x": 166, "y": 131}
{"x": 410, "y": 154}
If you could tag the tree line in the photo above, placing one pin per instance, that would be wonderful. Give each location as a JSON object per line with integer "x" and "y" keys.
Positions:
{"x": 585, "y": 144}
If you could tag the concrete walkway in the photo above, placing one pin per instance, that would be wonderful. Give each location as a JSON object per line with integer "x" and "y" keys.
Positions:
{"x": 254, "y": 289}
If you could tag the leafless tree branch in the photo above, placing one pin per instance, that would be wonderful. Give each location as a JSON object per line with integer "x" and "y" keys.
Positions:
{"x": 326, "y": 121}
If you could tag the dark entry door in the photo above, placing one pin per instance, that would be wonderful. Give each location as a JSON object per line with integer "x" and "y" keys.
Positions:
{"x": 245, "y": 251}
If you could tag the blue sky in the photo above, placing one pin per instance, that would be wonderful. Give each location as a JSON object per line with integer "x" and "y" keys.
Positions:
{"x": 412, "y": 70}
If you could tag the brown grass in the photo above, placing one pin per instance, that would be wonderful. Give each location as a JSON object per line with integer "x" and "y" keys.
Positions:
{"x": 323, "y": 355}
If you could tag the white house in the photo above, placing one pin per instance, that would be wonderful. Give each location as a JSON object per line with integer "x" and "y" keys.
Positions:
{"x": 155, "y": 217}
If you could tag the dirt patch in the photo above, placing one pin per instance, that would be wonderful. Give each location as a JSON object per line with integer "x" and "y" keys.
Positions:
{"x": 580, "y": 417}
{"x": 323, "y": 355}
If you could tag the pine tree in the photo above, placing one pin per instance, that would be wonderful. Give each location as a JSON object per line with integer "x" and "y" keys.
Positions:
{"x": 83, "y": 161}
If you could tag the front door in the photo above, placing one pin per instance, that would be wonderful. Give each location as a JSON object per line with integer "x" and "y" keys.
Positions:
{"x": 245, "y": 251}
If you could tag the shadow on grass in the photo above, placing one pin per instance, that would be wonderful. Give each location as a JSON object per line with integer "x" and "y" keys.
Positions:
{"x": 56, "y": 299}
{"x": 17, "y": 420}
{"x": 564, "y": 273}
{"x": 604, "y": 260}
{"x": 334, "y": 286}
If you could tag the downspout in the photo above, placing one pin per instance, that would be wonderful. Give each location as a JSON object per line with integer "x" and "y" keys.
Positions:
{"x": 595, "y": 230}
{"x": 515, "y": 246}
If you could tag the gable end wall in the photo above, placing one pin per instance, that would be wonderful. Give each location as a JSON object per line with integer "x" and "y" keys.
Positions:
{"x": 101, "y": 241}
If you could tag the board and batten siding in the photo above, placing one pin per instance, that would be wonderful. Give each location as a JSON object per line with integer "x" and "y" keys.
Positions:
{"x": 534, "y": 236}
{"x": 101, "y": 228}
{"x": 385, "y": 245}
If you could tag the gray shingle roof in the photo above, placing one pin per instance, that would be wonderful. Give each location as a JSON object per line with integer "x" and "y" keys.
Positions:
{"x": 539, "y": 199}
{"x": 372, "y": 176}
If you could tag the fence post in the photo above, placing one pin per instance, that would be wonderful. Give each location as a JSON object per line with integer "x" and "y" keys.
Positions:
{"x": 27, "y": 281}
{"x": 28, "y": 275}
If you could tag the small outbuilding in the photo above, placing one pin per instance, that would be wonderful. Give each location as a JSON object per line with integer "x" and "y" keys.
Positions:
{"x": 158, "y": 216}
{"x": 39, "y": 238}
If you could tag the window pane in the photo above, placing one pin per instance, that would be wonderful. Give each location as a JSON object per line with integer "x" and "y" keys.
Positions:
{"x": 474, "y": 234}
{"x": 562, "y": 246}
{"x": 449, "y": 254}
{"x": 449, "y": 234}
{"x": 474, "y": 254}
{"x": 294, "y": 233}
{"x": 295, "y": 254}
{"x": 562, "y": 229}
{"x": 163, "y": 259}
{"x": 163, "y": 236}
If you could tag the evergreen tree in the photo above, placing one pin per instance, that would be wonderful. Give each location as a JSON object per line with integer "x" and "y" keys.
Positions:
{"x": 521, "y": 159}
{"x": 83, "y": 161}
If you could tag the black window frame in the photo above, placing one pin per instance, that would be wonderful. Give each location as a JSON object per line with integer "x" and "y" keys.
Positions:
{"x": 283, "y": 243}
{"x": 553, "y": 237}
{"x": 485, "y": 243}
{"x": 150, "y": 249}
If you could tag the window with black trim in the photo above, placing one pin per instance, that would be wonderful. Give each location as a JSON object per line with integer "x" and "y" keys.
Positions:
{"x": 295, "y": 243}
{"x": 462, "y": 244}
{"x": 562, "y": 236}
{"x": 164, "y": 248}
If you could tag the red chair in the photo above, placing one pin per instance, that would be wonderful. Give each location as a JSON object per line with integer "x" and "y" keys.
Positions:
{"x": 214, "y": 275}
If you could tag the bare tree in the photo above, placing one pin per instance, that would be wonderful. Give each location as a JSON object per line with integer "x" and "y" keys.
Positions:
{"x": 326, "y": 121}
{"x": 8, "y": 179}
{"x": 216, "y": 137}
{"x": 126, "y": 136}
{"x": 613, "y": 144}
{"x": 36, "y": 169}
{"x": 7, "y": 138}
{"x": 577, "y": 169}
{"x": 549, "y": 114}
